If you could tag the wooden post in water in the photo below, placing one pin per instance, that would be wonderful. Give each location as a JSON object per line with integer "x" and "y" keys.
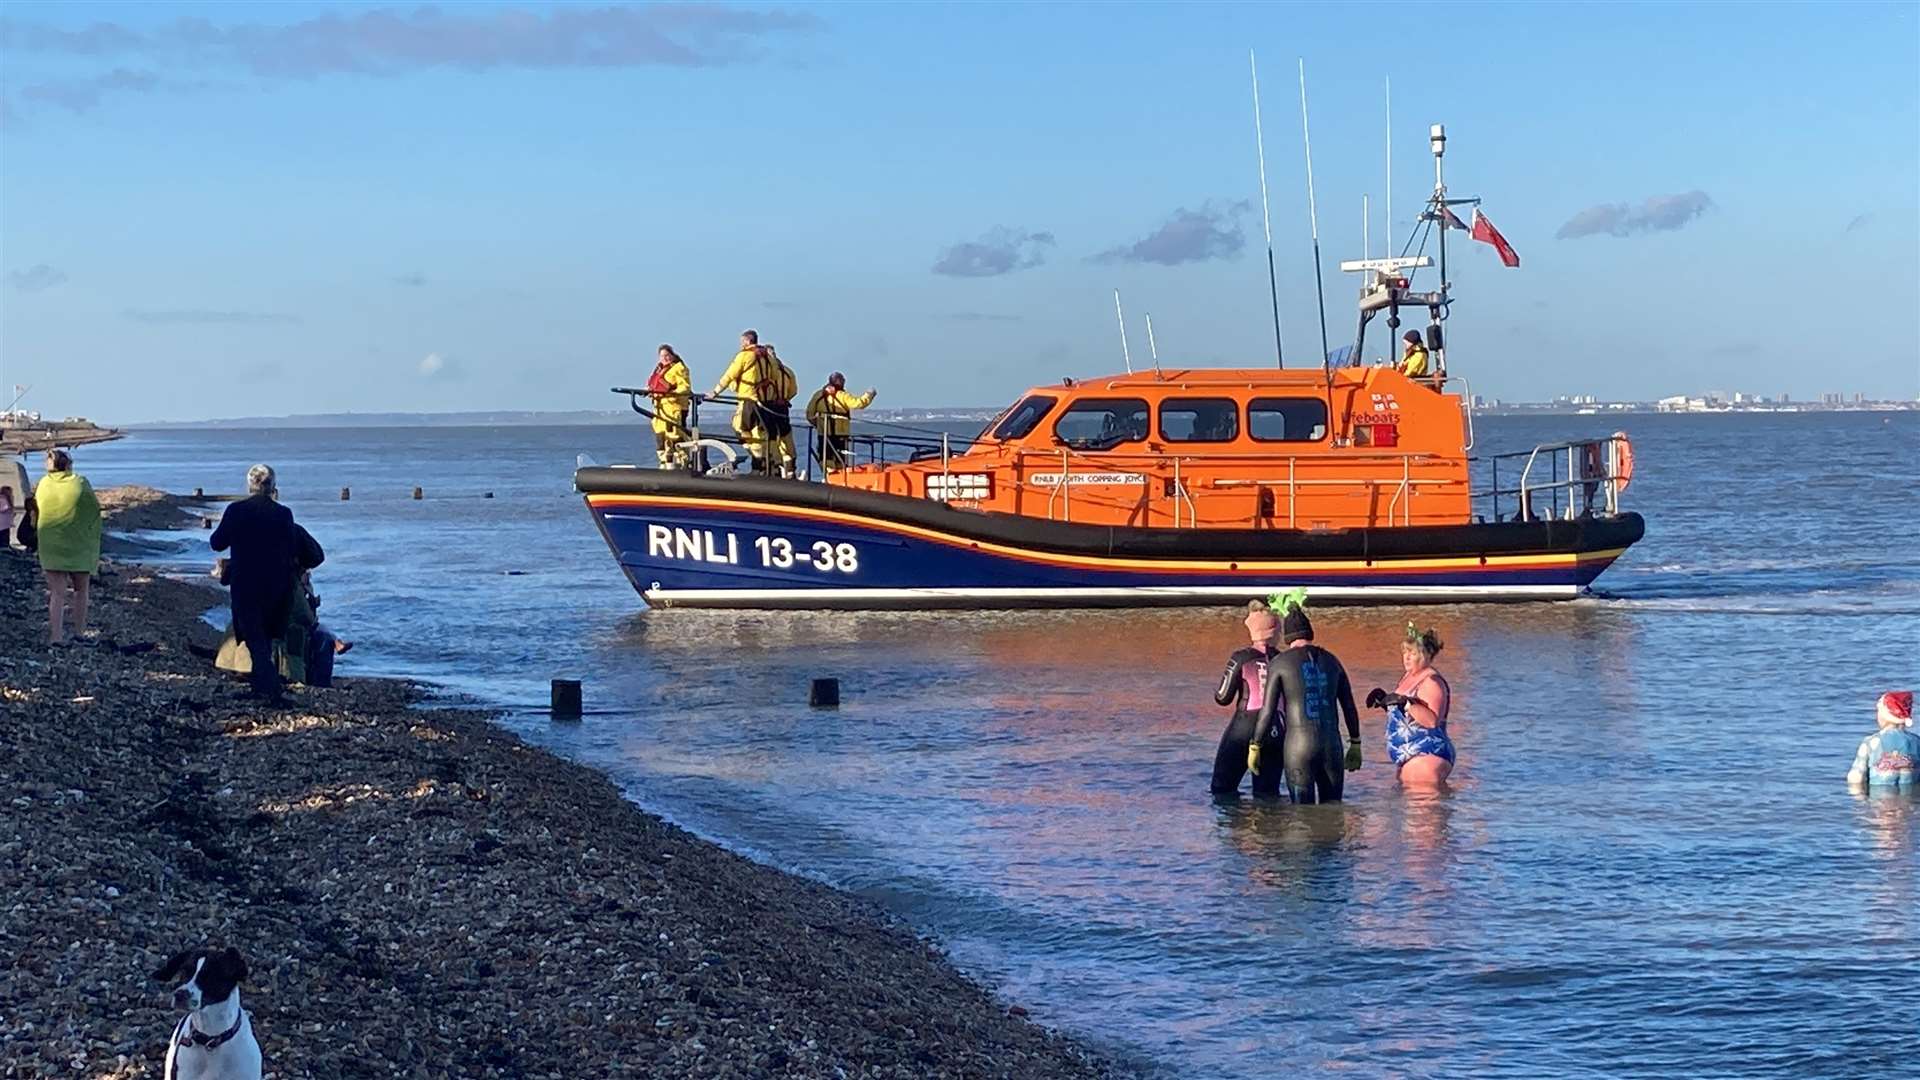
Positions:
{"x": 566, "y": 699}
{"x": 824, "y": 694}
{"x": 419, "y": 494}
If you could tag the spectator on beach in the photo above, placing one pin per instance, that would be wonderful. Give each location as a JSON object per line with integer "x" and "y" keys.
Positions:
{"x": 269, "y": 551}
{"x": 68, "y": 517}
{"x": 6, "y": 516}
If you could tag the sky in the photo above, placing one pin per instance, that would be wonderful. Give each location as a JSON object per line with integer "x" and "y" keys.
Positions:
{"x": 226, "y": 209}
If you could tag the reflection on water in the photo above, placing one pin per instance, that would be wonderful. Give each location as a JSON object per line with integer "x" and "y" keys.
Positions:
{"x": 1646, "y": 862}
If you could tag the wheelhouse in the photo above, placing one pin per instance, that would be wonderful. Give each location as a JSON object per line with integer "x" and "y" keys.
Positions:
{"x": 1226, "y": 449}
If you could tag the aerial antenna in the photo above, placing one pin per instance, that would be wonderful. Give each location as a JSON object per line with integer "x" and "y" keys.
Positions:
{"x": 1313, "y": 218}
{"x": 1150, "y": 345}
{"x": 1128, "y": 356}
{"x": 1389, "y": 167}
{"x": 1266, "y": 216}
{"x": 1366, "y": 225}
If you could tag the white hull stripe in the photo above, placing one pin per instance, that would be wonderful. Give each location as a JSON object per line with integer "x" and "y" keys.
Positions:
{"x": 689, "y": 597}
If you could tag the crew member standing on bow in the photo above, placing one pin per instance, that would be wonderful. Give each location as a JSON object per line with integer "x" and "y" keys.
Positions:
{"x": 1244, "y": 688}
{"x": 830, "y": 411}
{"x": 775, "y": 396}
{"x": 671, "y": 388}
{"x": 1305, "y": 685}
{"x": 743, "y": 378}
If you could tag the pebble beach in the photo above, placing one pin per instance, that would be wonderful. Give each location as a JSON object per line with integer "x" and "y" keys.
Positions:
{"x": 418, "y": 892}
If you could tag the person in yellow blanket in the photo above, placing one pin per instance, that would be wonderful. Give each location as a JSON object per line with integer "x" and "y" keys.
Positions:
{"x": 831, "y": 412}
{"x": 1414, "y": 364}
{"x": 744, "y": 378}
{"x": 671, "y": 388}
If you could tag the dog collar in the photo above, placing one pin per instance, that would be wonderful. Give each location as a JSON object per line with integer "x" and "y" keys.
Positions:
{"x": 190, "y": 1037}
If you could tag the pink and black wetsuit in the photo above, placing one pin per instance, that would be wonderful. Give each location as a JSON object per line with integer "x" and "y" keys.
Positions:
{"x": 1244, "y": 687}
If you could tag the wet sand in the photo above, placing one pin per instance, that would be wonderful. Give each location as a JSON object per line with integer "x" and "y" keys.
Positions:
{"x": 418, "y": 893}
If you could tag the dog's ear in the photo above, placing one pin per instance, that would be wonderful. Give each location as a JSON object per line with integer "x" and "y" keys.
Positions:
{"x": 172, "y": 969}
{"x": 235, "y": 964}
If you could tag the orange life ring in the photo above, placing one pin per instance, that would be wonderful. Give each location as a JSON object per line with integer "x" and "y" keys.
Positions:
{"x": 1622, "y": 459}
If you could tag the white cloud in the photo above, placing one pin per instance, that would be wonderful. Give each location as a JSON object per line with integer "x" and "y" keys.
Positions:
{"x": 432, "y": 364}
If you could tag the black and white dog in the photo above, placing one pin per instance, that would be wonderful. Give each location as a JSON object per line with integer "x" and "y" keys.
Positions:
{"x": 214, "y": 1041}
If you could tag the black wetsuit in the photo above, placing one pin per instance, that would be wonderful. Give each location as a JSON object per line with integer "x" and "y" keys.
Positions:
{"x": 1309, "y": 683}
{"x": 1242, "y": 687}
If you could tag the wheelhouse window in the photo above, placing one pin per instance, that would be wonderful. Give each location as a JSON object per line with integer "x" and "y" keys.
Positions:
{"x": 1287, "y": 419}
{"x": 1199, "y": 420}
{"x": 1024, "y": 417}
{"x": 1102, "y": 423}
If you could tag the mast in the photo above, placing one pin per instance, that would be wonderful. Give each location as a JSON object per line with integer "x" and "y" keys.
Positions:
{"x": 1266, "y": 216}
{"x": 1437, "y": 135}
{"x": 1127, "y": 356}
{"x": 1389, "y": 221}
{"x": 1151, "y": 347}
{"x": 1313, "y": 218}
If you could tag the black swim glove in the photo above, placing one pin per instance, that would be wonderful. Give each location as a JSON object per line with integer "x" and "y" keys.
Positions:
{"x": 1376, "y": 698}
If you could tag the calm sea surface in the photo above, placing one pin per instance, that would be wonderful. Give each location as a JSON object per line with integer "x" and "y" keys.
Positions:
{"x": 1648, "y": 864}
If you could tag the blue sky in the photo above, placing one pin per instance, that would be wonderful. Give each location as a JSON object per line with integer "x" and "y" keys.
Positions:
{"x": 227, "y": 209}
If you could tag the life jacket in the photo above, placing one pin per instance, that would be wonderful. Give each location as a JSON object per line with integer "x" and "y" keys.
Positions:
{"x": 657, "y": 383}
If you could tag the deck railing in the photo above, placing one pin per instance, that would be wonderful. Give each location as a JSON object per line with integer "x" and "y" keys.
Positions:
{"x": 1557, "y": 481}
{"x": 1589, "y": 483}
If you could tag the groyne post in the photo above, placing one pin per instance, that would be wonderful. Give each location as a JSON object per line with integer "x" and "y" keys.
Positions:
{"x": 824, "y": 694}
{"x": 566, "y": 699}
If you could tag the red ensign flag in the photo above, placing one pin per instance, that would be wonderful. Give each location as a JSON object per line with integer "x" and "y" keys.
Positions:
{"x": 1484, "y": 232}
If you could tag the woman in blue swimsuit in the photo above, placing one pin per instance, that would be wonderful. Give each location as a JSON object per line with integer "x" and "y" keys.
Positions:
{"x": 1417, "y": 709}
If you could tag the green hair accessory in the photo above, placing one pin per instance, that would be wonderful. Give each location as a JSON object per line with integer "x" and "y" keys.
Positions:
{"x": 1282, "y": 602}
{"x": 1426, "y": 639}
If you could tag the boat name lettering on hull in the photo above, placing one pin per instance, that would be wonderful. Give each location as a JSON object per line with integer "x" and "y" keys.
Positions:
{"x": 1092, "y": 479}
{"x": 768, "y": 552}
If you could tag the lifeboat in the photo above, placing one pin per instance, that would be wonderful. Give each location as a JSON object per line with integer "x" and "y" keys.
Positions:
{"x": 1163, "y": 487}
{"x": 1182, "y": 487}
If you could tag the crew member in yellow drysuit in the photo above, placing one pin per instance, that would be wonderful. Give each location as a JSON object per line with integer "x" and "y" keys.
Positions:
{"x": 1414, "y": 364}
{"x": 744, "y": 377}
{"x": 830, "y": 412}
{"x": 776, "y": 410}
{"x": 671, "y": 388}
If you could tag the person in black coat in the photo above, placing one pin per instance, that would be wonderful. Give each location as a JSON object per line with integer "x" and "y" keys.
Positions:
{"x": 269, "y": 552}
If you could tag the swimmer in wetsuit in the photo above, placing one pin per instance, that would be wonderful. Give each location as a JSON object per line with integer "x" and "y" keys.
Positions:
{"x": 1244, "y": 687}
{"x": 1305, "y": 684}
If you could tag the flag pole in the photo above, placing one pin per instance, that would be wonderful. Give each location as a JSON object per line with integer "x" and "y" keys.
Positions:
{"x": 1313, "y": 218}
{"x": 1266, "y": 217}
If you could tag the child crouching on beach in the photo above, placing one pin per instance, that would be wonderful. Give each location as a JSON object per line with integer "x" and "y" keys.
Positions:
{"x": 1889, "y": 757}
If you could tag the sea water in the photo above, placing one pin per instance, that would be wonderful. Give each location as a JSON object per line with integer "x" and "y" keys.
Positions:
{"x": 1648, "y": 863}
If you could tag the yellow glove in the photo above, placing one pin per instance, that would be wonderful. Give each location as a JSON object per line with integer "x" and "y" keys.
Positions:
{"x": 1353, "y": 755}
{"x": 1253, "y": 757}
